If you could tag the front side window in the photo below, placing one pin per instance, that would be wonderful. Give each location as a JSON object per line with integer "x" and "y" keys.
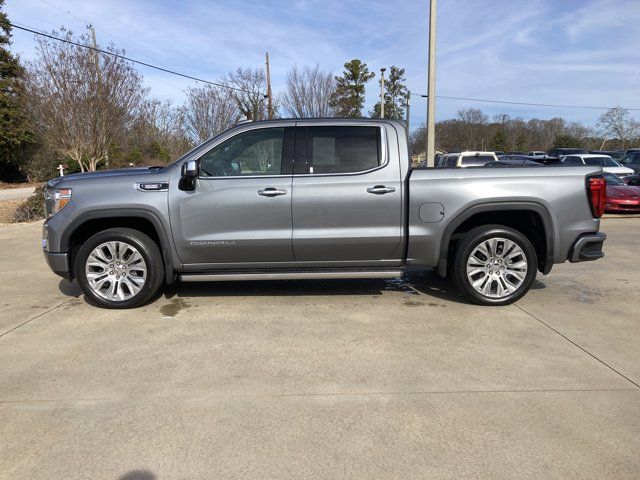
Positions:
{"x": 452, "y": 161}
{"x": 256, "y": 152}
{"x": 342, "y": 149}
{"x": 573, "y": 161}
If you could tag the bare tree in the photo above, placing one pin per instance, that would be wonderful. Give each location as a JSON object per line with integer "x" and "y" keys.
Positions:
{"x": 83, "y": 101}
{"x": 309, "y": 93}
{"x": 249, "y": 87}
{"x": 209, "y": 111}
{"x": 472, "y": 121}
{"x": 617, "y": 124}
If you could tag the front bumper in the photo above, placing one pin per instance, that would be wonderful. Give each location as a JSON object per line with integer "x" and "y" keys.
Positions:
{"x": 58, "y": 261}
{"x": 587, "y": 247}
{"x": 622, "y": 205}
{"x": 59, "y": 264}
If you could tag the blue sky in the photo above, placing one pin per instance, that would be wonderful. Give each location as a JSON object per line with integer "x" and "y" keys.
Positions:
{"x": 577, "y": 52}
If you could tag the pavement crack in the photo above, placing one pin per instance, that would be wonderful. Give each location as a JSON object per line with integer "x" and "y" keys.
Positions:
{"x": 579, "y": 346}
{"x": 37, "y": 316}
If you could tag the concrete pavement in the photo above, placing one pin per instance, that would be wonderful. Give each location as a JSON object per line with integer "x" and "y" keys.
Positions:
{"x": 353, "y": 379}
{"x": 16, "y": 193}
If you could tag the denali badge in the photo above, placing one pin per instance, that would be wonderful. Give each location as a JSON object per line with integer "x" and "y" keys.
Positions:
{"x": 153, "y": 187}
{"x": 212, "y": 243}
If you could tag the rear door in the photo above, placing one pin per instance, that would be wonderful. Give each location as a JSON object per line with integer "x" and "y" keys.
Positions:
{"x": 346, "y": 195}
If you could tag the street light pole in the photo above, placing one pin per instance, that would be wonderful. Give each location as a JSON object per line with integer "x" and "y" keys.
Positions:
{"x": 408, "y": 105}
{"x": 382, "y": 70}
{"x": 431, "y": 87}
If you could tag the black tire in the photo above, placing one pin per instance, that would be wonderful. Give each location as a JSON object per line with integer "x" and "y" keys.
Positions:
{"x": 147, "y": 248}
{"x": 468, "y": 244}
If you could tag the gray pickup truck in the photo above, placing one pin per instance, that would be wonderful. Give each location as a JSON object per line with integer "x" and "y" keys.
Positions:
{"x": 317, "y": 199}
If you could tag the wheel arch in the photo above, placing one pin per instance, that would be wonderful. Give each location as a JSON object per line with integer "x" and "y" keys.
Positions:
{"x": 525, "y": 217}
{"x": 90, "y": 223}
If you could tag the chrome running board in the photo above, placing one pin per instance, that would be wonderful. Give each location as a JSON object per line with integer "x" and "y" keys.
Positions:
{"x": 301, "y": 275}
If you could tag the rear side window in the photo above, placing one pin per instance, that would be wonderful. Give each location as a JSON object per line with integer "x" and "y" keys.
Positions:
{"x": 342, "y": 149}
{"x": 476, "y": 160}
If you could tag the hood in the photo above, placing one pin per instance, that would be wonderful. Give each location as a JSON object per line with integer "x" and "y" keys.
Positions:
{"x": 623, "y": 191}
{"x": 116, "y": 172}
{"x": 619, "y": 170}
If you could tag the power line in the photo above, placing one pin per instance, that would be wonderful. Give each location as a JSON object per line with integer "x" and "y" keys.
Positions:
{"x": 484, "y": 100}
{"x": 105, "y": 52}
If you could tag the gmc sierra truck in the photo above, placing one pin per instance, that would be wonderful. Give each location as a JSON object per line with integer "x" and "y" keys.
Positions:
{"x": 317, "y": 199}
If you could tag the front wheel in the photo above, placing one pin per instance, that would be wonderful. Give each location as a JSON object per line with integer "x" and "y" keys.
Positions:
{"x": 119, "y": 268}
{"x": 494, "y": 265}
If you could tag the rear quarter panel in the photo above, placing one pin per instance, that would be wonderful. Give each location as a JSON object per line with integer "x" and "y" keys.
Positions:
{"x": 560, "y": 191}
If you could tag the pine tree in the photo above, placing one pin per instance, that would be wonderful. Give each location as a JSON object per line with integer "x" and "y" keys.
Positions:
{"x": 348, "y": 98}
{"x": 14, "y": 126}
{"x": 499, "y": 141}
{"x": 394, "y": 96}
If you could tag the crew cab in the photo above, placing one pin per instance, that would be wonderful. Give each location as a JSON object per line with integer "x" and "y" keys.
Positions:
{"x": 317, "y": 198}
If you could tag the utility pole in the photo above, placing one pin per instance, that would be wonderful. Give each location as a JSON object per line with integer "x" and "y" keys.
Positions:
{"x": 408, "y": 105}
{"x": 382, "y": 70}
{"x": 269, "y": 99}
{"x": 431, "y": 87}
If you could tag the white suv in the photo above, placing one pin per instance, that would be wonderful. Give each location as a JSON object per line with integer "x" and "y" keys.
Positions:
{"x": 607, "y": 163}
{"x": 466, "y": 159}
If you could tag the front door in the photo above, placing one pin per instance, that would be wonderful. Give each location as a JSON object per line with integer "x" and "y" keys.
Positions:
{"x": 240, "y": 210}
{"x": 346, "y": 196}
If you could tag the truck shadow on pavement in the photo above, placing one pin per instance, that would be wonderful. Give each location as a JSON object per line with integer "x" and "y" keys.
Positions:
{"x": 413, "y": 282}
{"x": 419, "y": 282}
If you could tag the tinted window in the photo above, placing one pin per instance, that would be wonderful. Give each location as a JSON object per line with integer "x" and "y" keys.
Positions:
{"x": 476, "y": 160}
{"x": 452, "y": 161}
{"x": 612, "y": 179}
{"x": 256, "y": 152}
{"x": 573, "y": 161}
{"x": 602, "y": 161}
{"x": 342, "y": 149}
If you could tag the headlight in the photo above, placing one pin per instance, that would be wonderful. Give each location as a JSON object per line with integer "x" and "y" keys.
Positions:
{"x": 56, "y": 199}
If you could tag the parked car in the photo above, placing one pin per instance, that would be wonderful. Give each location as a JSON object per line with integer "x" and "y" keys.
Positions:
{"x": 615, "y": 154}
{"x": 609, "y": 164}
{"x": 632, "y": 161}
{"x": 561, "y": 152}
{"x": 631, "y": 150}
{"x": 467, "y": 159}
{"x": 514, "y": 161}
{"x": 633, "y": 180}
{"x": 316, "y": 198}
{"x": 536, "y": 153}
{"x": 620, "y": 196}
{"x": 546, "y": 160}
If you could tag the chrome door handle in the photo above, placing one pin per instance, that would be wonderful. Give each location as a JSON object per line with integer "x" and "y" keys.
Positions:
{"x": 380, "y": 190}
{"x": 271, "y": 192}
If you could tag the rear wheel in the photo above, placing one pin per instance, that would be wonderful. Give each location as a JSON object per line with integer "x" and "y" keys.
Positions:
{"x": 119, "y": 268}
{"x": 494, "y": 265}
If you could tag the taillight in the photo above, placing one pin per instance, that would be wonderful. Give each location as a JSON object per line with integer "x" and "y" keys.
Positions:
{"x": 597, "y": 195}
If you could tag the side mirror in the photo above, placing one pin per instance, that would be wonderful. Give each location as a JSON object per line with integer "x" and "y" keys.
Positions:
{"x": 189, "y": 174}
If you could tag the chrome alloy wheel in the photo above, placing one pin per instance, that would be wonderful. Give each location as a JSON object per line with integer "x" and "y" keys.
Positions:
{"x": 116, "y": 271}
{"x": 497, "y": 267}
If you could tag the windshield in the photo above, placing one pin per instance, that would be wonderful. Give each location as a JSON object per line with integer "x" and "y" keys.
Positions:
{"x": 602, "y": 161}
{"x": 613, "y": 179}
{"x": 476, "y": 160}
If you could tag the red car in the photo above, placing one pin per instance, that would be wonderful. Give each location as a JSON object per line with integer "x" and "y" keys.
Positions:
{"x": 620, "y": 196}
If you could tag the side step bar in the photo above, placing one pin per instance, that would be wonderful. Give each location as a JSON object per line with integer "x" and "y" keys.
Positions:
{"x": 302, "y": 275}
